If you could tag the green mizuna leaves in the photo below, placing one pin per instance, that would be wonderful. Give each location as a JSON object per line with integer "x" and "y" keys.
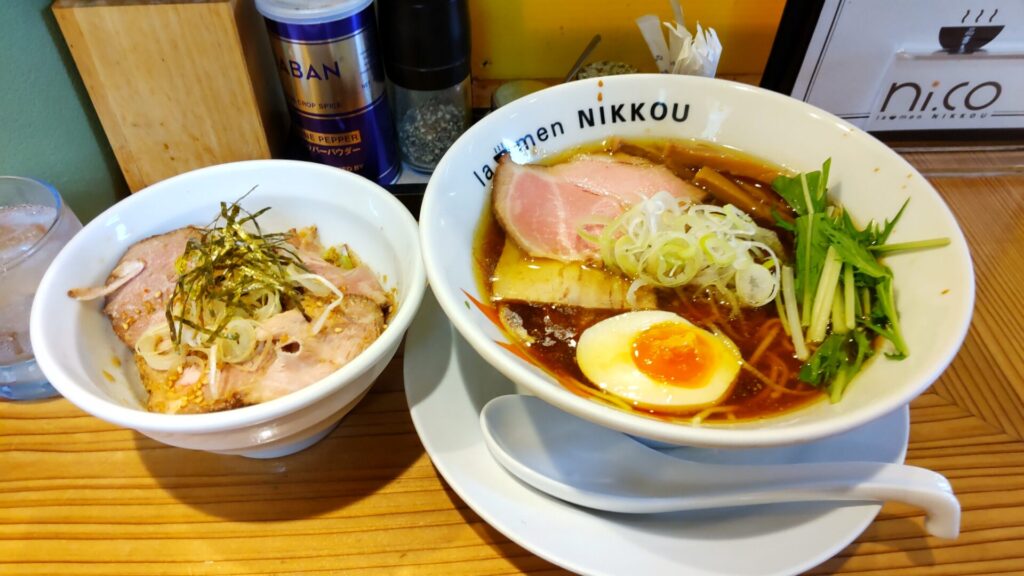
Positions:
{"x": 838, "y": 271}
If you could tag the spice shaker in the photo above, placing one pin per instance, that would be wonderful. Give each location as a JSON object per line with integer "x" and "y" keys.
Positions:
{"x": 326, "y": 55}
{"x": 425, "y": 44}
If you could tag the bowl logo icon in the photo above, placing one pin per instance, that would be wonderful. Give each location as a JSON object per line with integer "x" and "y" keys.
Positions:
{"x": 970, "y": 36}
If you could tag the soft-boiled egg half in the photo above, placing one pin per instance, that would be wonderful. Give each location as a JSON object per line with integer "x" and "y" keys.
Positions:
{"x": 658, "y": 360}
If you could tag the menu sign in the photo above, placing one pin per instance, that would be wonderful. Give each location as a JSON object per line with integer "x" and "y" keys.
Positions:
{"x": 916, "y": 64}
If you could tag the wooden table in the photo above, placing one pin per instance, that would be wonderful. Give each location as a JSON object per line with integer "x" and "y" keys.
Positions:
{"x": 79, "y": 496}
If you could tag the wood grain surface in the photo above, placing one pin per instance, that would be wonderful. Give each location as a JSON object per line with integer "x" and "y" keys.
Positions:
{"x": 176, "y": 85}
{"x": 79, "y": 496}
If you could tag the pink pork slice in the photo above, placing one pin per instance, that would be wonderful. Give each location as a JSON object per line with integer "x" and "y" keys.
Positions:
{"x": 541, "y": 208}
{"x": 361, "y": 280}
{"x": 351, "y": 328}
{"x": 141, "y": 302}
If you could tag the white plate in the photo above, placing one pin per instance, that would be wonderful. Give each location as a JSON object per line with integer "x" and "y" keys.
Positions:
{"x": 447, "y": 384}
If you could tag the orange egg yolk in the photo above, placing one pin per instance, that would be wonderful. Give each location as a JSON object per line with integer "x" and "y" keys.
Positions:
{"x": 673, "y": 353}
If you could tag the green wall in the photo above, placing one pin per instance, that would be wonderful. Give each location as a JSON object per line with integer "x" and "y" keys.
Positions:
{"x": 48, "y": 128}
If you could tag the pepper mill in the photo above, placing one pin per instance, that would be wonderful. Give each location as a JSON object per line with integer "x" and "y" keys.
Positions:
{"x": 425, "y": 46}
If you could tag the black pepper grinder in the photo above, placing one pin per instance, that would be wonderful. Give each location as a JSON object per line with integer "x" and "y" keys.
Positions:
{"x": 425, "y": 45}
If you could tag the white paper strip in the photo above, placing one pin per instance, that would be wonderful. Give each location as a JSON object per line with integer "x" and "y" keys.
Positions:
{"x": 684, "y": 53}
{"x": 650, "y": 27}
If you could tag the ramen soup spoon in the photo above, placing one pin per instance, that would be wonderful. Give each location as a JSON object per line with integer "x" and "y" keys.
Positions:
{"x": 596, "y": 467}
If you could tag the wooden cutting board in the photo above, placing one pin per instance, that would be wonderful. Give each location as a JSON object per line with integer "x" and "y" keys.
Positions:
{"x": 177, "y": 85}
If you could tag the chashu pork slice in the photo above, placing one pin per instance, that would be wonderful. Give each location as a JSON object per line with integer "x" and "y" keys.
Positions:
{"x": 141, "y": 302}
{"x": 291, "y": 358}
{"x": 630, "y": 179}
{"x": 360, "y": 281}
{"x": 299, "y": 357}
{"x": 542, "y": 208}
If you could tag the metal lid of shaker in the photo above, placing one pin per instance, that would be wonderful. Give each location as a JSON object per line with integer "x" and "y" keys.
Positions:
{"x": 309, "y": 11}
{"x": 424, "y": 43}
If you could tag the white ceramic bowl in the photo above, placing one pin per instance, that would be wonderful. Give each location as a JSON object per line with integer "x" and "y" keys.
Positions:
{"x": 74, "y": 343}
{"x": 935, "y": 289}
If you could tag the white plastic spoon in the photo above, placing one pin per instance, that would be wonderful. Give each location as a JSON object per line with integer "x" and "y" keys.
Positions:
{"x": 599, "y": 468}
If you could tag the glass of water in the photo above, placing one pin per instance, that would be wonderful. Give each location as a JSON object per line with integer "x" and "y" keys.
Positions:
{"x": 35, "y": 224}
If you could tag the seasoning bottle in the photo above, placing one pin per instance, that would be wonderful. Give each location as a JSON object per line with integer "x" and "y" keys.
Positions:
{"x": 327, "y": 58}
{"x": 425, "y": 44}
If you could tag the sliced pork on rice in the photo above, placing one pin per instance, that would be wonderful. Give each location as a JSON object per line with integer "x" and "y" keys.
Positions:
{"x": 338, "y": 311}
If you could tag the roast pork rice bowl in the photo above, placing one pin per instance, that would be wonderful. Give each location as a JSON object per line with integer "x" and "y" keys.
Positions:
{"x": 272, "y": 371}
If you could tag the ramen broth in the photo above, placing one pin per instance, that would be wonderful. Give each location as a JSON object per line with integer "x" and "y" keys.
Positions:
{"x": 547, "y": 333}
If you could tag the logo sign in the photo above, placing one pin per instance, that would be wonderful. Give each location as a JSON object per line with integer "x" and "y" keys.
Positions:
{"x": 950, "y": 91}
{"x": 917, "y": 65}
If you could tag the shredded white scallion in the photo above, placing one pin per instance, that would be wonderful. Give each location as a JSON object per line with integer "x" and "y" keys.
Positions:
{"x": 315, "y": 283}
{"x": 665, "y": 242}
{"x": 631, "y": 293}
{"x": 239, "y": 340}
{"x": 240, "y": 337}
{"x": 322, "y": 319}
{"x": 212, "y": 380}
{"x": 269, "y": 304}
{"x": 157, "y": 348}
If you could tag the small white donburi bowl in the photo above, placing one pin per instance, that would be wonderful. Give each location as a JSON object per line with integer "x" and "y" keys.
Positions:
{"x": 935, "y": 288}
{"x": 83, "y": 359}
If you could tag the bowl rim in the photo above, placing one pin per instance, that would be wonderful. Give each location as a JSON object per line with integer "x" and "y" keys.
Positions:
{"x": 681, "y": 434}
{"x": 236, "y": 418}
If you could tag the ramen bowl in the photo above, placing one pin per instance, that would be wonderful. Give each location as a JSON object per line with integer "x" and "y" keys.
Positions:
{"x": 84, "y": 360}
{"x": 934, "y": 288}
